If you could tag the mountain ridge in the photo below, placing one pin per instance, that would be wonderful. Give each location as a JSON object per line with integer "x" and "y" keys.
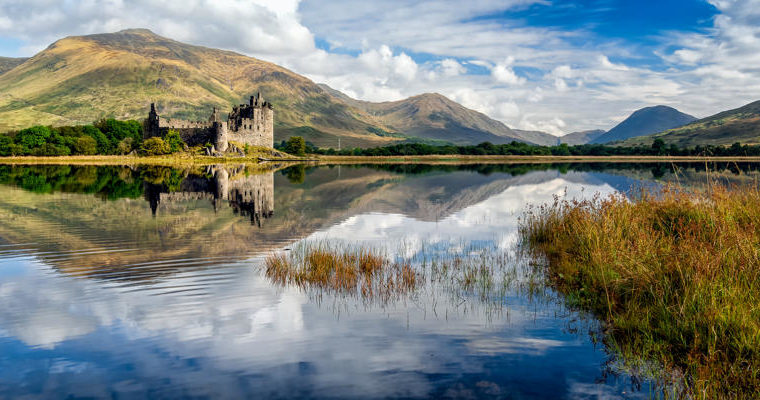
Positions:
{"x": 645, "y": 121}
{"x": 740, "y": 124}
{"x": 581, "y": 137}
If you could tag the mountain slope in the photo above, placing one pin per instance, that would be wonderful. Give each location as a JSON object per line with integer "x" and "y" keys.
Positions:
{"x": 80, "y": 79}
{"x": 537, "y": 137}
{"x": 646, "y": 121}
{"x": 738, "y": 125}
{"x": 582, "y": 137}
{"x": 8, "y": 63}
{"x": 435, "y": 117}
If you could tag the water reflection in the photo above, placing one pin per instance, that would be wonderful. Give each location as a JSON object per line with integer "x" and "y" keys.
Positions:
{"x": 144, "y": 282}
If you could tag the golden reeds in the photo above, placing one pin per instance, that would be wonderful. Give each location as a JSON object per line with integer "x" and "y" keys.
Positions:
{"x": 675, "y": 274}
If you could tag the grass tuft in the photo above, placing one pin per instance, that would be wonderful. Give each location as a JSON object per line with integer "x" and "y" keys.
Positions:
{"x": 347, "y": 271}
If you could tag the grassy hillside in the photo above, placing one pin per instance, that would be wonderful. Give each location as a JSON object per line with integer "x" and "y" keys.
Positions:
{"x": 725, "y": 128}
{"x": 537, "y": 137}
{"x": 583, "y": 137}
{"x": 646, "y": 121}
{"x": 8, "y": 63}
{"x": 80, "y": 79}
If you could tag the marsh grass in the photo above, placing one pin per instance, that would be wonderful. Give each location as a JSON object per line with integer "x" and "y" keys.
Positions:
{"x": 348, "y": 271}
{"x": 462, "y": 279}
{"x": 675, "y": 275}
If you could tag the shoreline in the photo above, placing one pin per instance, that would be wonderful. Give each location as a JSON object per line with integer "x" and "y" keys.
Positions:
{"x": 334, "y": 160}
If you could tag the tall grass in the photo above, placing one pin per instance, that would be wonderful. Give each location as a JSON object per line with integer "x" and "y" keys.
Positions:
{"x": 346, "y": 271}
{"x": 674, "y": 274}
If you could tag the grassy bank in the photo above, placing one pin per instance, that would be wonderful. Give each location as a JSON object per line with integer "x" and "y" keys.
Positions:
{"x": 676, "y": 277}
{"x": 165, "y": 160}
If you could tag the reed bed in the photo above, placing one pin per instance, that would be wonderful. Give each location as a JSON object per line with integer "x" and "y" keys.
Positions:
{"x": 352, "y": 271}
{"x": 464, "y": 278}
{"x": 675, "y": 276}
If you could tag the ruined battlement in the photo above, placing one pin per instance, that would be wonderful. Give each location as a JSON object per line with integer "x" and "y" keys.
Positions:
{"x": 251, "y": 123}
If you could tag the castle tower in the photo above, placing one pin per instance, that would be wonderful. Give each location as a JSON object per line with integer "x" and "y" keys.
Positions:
{"x": 220, "y": 135}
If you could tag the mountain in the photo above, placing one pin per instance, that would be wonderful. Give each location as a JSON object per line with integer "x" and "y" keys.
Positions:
{"x": 537, "y": 137}
{"x": 582, "y": 137}
{"x": 80, "y": 79}
{"x": 646, "y": 121}
{"x": 434, "y": 117}
{"x": 738, "y": 125}
{"x": 8, "y": 63}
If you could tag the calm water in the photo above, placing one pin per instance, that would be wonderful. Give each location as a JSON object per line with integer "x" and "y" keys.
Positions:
{"x": 147, "y": 282}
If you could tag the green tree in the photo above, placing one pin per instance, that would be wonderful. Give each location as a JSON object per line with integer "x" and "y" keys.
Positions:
{"x": 85, "y": 145}
{"x": 50, "y": 149}
{"x": 155, "y": 146}
{"x": 296, "y": 145}
{"x": 5, "y": 145}
{"x": 116, "y": 131}
{"x": 174, "y": 141}
{"x": 33, "y": 137}
{"x": 658, "y": 147}
{"x": 104, "y": 145}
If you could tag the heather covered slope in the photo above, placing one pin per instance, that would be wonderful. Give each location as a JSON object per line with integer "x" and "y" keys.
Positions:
{"x": 646, "y": 121}
{"x": 738, "y": 125}
{"x": 80, "y": 79}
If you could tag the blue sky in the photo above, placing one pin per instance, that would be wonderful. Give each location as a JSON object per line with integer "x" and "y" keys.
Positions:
{"x": 556, "y": 66}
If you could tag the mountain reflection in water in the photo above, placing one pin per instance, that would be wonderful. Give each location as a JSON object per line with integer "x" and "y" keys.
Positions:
{"x": 146, "y": 282}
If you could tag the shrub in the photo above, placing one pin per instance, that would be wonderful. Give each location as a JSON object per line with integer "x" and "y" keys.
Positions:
{"x": 85, "y": 145}
{"x": 155, "y": 146}
{"x": 174, "y": 141}
{"x": 125, "y": 146}
{"x": 296, "y": 145}
{"x": 50, "y": 149}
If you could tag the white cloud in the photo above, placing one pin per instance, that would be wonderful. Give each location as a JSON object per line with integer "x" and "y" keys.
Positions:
{"x": 450, "y": 67}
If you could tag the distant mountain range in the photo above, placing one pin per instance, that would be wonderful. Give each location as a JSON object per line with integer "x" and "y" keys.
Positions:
{"x": 645, "y": 121}
{"x": 738, "y": 125}
{"x": 434, "y": 117}
{"x": 582, "y": 137}
{"x": 83, "y": 78}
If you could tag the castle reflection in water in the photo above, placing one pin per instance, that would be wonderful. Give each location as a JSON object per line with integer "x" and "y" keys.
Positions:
{"x": 250, "y": 196}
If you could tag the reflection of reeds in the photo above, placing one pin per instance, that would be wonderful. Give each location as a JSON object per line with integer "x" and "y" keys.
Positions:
{"x": 347, "y": 271}
{"x": 676, "y": 276}
{"x": 463, "y": 279}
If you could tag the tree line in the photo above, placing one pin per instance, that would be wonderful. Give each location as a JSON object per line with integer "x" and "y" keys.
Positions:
{"x": 658, "y": 148}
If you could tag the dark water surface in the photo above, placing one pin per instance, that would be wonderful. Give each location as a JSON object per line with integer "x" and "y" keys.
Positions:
{"x": 121, "y": 282}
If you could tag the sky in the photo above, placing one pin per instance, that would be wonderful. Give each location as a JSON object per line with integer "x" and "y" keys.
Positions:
{"x": 549, "y": 65}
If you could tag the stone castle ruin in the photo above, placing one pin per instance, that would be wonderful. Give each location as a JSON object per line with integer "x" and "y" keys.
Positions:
{"x": 251, "y": 123}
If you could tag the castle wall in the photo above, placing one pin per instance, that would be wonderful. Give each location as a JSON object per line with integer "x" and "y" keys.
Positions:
{"x": 256, "y": 131}
{"x": 251, "y": 124}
